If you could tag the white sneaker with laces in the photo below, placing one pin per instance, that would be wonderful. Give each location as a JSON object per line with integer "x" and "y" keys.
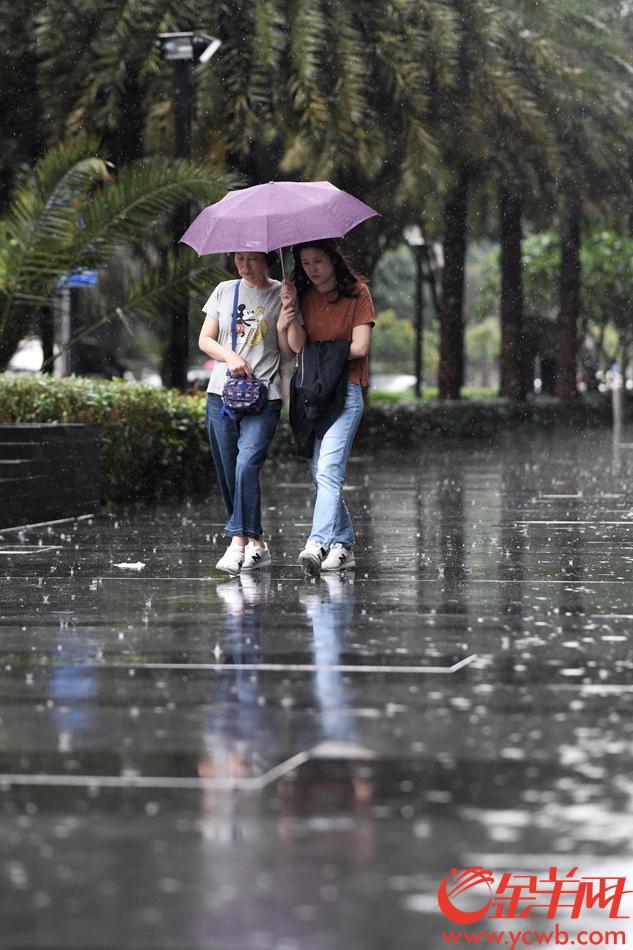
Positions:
{"x": 232, "y": 559}
{"x": 312, "y": 557}
{"x": 339, "y": 558}
{"x": 256, "y": 557}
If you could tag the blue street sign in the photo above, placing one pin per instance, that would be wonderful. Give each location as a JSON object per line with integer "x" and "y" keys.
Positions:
{"x": 78, "y": 278}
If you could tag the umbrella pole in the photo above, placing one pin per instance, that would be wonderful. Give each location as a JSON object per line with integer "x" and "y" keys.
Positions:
{"x": 281, "y": 255}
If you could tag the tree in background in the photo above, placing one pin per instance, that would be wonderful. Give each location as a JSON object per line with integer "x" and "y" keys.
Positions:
{"x": 71, "y": 213}
{"x": 486, "y": 105}
{"x": 588, "y": 114}
{"x": 433, "y": 111}
{"x": 606, "y": 295}
{"x": 22, "y": 131}
{"x": 297, "y": 88}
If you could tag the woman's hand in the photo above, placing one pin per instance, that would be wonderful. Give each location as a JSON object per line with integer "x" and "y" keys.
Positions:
{"x": 286, "y": 316}
{"x": 238, "y": 365}
{"x": 288, "y": 292}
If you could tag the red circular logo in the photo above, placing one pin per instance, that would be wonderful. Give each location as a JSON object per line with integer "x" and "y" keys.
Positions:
{"x": 477, "y": 882}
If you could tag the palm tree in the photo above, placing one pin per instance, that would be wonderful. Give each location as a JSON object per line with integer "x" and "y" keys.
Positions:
{"x": 358, "y": 100}
{"x": 116, "y": 73}
{"x": 596, "y": 141}
{"x": 558, "y": 140}
{"x": 70, "y": 213}
{"x": 482, "y": 106}
{"x": 298, "y": 87}
{"x": 581, "y": 80}
{"x": 395, "y": 102}
{"x": 525, "y": 165}
{"x": 123, "y": 93}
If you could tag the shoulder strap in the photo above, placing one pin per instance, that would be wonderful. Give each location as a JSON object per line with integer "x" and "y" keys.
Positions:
{"x": 236, "y": 299}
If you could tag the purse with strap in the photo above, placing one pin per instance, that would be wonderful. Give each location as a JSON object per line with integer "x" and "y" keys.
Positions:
{"x": 241, "y": 395}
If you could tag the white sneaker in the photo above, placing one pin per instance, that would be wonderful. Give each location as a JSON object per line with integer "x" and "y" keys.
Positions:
{"x": 256, "y": 557}
{"x": 311, "y": 558}
{"x": 339, "y": 558}
{"x": 232, "y": 559}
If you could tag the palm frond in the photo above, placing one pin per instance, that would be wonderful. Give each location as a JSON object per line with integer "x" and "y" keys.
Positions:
{"x": 142, "y": 194}
{"x": 43, "y": 219}
{"x": 72, "y": 214}
{"x": 153, "y": 294}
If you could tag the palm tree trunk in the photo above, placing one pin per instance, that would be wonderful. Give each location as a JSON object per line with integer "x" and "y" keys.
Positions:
{"x": 451, "y": 369}
{"x": 125, "y": 141}
{"x": 567, "y": 342}
{"x": 46, "y": 326}
{"x": 512, "y": 382}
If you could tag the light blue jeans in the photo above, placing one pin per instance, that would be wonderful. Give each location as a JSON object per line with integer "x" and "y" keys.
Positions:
{"x": 331, "y": 521}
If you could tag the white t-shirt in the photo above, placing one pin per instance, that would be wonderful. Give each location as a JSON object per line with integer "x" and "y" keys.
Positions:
{"x": 257, "y": 314}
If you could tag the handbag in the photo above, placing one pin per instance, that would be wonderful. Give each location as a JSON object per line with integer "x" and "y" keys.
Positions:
{"x": 241, "y": 395}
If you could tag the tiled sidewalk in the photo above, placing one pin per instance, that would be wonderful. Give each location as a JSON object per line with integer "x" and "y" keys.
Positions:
{"x": 192, "y": 761}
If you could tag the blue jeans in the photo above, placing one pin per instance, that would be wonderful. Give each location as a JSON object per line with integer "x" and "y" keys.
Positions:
{"x": 331, "y": 521}
{"x": 239, "y": 450}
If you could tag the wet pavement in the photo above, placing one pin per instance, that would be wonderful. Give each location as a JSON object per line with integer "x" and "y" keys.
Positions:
{"x": 192, "y": 761}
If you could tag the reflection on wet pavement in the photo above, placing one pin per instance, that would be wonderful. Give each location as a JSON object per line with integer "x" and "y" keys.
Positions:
{"x": 193, "y": 761}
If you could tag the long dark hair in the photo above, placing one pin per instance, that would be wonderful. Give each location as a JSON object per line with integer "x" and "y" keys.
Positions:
{"x": 347, "y": 280}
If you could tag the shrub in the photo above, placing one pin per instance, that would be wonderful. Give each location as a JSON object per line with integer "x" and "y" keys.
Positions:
{"x": 407, "y": 424}
{"x": 152, "y": 440}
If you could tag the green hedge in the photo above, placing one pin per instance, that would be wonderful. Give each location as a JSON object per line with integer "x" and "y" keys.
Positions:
{"x": 154, "y": 440}
{"x": 407, "y": 424}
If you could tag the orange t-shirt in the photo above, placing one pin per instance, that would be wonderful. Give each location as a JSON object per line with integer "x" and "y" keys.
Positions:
{"x": 324, "y": 320}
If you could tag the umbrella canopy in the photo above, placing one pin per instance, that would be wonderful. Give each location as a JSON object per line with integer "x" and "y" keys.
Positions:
{"x": 271, "y": 216}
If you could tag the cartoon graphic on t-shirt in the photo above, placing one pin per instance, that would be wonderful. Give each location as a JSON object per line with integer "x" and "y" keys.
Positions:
{"x": 241, "y": 322}
{"x": 258, "y": 331}
{"x": 253, "y": 320}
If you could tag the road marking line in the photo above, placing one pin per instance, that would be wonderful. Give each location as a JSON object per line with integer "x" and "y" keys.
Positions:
{"x": 283, "y": 667}
{"x": 246, "y": 783}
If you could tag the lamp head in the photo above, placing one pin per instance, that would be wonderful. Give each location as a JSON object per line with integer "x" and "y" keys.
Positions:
{"x": 205, "y": 46}
{"x": 187, "y": 47}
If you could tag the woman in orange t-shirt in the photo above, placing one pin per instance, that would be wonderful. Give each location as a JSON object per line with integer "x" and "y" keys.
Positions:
{"x": 335, "y": 304}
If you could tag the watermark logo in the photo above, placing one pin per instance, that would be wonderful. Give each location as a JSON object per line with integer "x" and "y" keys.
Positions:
{"x": 476, "y": 883}
{"x": 474, "y": 895}
{"x": 467, "y": 896}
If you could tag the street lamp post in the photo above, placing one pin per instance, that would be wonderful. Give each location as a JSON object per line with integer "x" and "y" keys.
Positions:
{"x": 183, "y": 49}
{"x": 415, "y": 240}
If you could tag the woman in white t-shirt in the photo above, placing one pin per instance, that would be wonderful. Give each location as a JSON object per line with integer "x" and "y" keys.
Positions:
{"x": 239, "y": 447}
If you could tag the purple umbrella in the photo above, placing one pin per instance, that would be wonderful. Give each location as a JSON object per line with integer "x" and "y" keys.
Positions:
{"x": 272, "y": 216}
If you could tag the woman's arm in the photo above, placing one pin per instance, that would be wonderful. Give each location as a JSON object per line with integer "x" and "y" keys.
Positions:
{"x": 208, "y": 343}
{"x": 361, "y": 340}
{"x": 290, "y": 334}
{"x": 295, "y": 334}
